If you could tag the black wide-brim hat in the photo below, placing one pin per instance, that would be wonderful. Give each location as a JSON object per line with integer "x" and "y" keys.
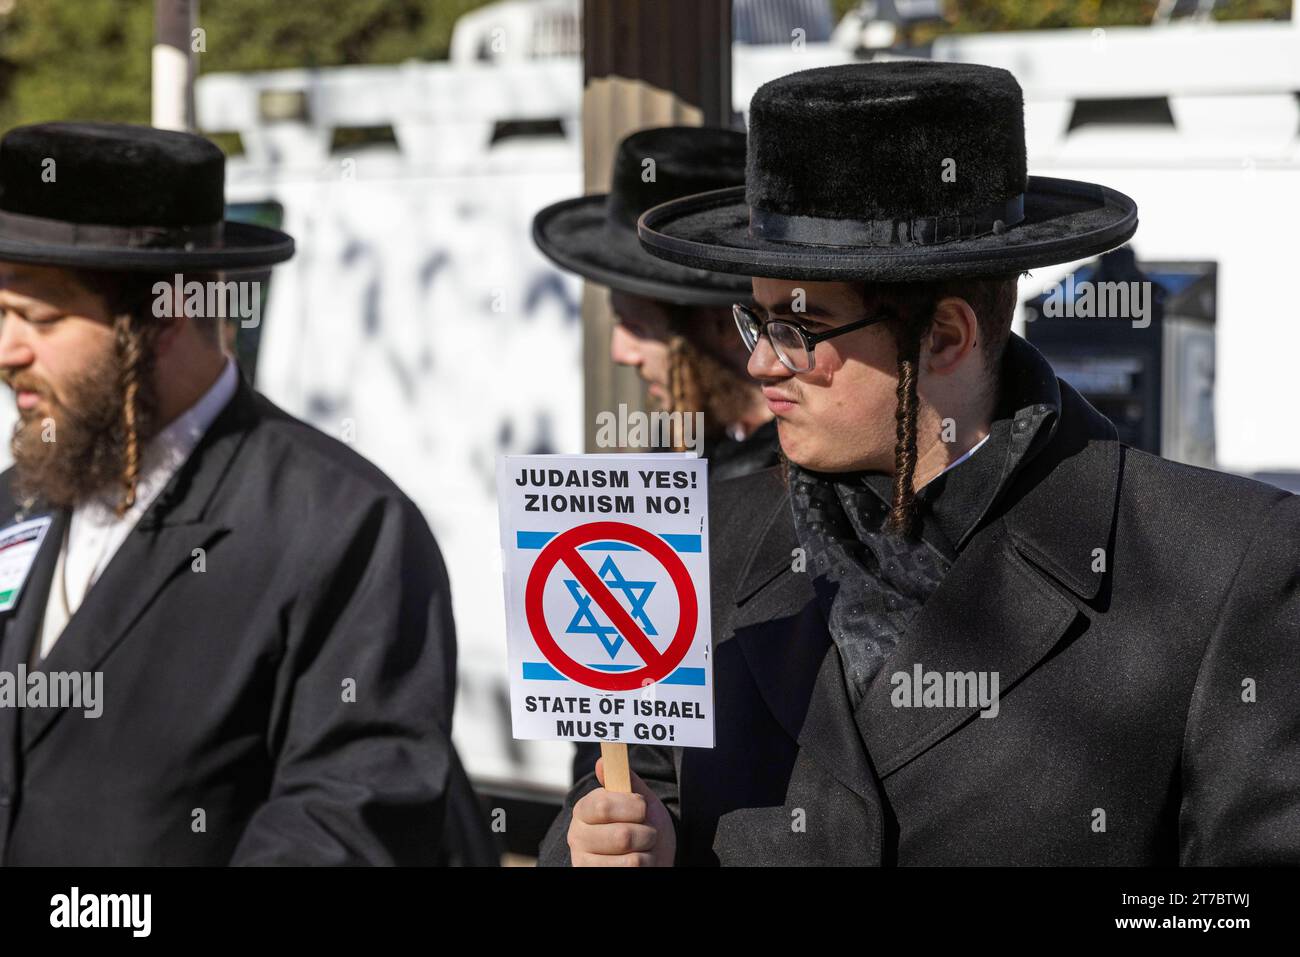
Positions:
{"x": 889, "y": 172}
{"x": 121, "y": 197}
{"x": 595, "y": 236}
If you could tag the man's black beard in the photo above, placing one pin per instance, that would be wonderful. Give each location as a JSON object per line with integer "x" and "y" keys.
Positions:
{"x": 78, "y": 451}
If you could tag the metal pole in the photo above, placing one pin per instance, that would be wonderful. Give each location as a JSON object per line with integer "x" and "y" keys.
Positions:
{"x": 174, "y": 62}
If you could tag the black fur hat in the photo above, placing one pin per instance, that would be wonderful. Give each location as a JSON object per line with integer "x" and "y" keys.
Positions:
{"x": 122, "y": 197}
{"x": 595, "y": 236}
{"x": 894, "y": 171}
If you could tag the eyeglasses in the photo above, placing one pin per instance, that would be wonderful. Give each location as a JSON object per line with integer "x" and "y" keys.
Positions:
{"x": 794, "y": 345}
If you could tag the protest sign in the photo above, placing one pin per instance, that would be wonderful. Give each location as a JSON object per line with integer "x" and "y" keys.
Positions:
{"x": 606, "y": 567}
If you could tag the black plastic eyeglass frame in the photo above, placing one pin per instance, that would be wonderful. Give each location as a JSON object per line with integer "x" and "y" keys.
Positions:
{"x": 810, "y": 339}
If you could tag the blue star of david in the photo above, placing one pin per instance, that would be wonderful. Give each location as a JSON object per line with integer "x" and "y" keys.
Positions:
{"x": 584, "y": 618}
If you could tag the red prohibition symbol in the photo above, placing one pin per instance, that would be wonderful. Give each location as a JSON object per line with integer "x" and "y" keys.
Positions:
{"x": 564, "y": 548}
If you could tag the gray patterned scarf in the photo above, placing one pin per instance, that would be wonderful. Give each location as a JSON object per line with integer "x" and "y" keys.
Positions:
{"x": 871, "y": 584}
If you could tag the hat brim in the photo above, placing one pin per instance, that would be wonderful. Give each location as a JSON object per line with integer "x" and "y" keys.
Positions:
{"x": 576, "y": 235}
{"x": 244, "y": 246}
{"x": 1064, "y": 220}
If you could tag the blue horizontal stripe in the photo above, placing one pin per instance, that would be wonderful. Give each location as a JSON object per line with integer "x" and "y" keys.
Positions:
{"x": 685, "y": 676}
{"x": 532, "y": 539}
{"x": 542, "y": 671}
{"x": 684, "y": 543}
{"x": 679, "y": 543}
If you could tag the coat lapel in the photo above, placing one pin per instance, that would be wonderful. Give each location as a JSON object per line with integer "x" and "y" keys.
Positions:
{"x": 991, "y": 615}
{"x": 1009, "y": 599}
{"x": 1014, "y": 591}
{"x": 160, "y": 547}
{"x": 782, "y": 634}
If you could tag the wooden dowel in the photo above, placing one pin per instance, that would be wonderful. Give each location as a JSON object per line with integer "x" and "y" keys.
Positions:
{"x": 618, "y": 776}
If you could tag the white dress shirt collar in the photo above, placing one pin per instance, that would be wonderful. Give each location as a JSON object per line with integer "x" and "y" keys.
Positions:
{"x": 168, "y": 450}
{"x": 961, "y": 458}
{"x": 96, "y": 532}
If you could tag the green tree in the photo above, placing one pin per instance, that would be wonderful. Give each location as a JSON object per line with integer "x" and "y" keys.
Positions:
{"x": 76, "y": 60}
{"x": 90, "y": 59}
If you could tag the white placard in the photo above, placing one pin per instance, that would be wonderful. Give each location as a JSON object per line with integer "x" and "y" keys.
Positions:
{"x": 606, "y": 567}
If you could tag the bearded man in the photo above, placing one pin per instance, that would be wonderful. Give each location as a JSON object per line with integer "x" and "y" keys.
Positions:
{"x": 264, "y": 616}
{"x": 964, "y": 625}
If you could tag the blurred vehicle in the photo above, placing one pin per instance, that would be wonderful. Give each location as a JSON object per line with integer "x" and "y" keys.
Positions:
{"x": 875, "y": 25}
{"x": 781, "y": 21}
{"x": 517, "y": 31}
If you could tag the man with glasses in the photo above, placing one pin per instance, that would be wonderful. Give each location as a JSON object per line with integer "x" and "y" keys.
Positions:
{"x": 964, "y": 624}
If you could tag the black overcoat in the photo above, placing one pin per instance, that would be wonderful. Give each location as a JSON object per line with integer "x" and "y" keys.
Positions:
{"x": 1143, "y": 618}
{"x": 283, "y": 696}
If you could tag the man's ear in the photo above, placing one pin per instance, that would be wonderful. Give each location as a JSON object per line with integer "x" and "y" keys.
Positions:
{"x": 169, "y": 321}
{"x": 167, "y": 333}
{"x": 953, "y": 335}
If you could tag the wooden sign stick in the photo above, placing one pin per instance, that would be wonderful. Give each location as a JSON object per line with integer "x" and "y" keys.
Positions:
{"x": 618, "y": 776}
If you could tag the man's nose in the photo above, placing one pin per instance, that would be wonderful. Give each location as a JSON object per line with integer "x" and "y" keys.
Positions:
{"x": 622, "y": 347}
{"x": 15, "y": 348}
{"x": 763, "y": 362}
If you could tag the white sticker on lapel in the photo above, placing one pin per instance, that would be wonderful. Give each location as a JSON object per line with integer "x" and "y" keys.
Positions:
{"x": 18, "y": 547}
